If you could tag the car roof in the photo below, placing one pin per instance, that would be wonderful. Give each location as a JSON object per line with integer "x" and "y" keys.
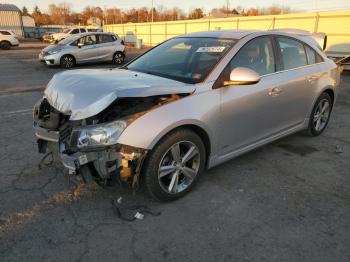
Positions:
{"x": 231, "y": 34}
{"x": 95, "y": 33}
{"x": 6, "y": 30}
{"x": 301, "y": 35}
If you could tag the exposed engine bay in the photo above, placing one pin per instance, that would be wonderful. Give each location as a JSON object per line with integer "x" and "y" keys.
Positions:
{"x": 69, "y": 141}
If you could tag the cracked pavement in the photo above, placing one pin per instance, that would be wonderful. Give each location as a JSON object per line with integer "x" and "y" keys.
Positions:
{"x": 287, "y": 201}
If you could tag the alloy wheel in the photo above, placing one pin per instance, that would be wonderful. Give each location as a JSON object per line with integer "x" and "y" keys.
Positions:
{"x": 321, "y": 115}
{"x": 178, "y": 167}
{"x": 118, "y": 58}
{"x": 67, "y": 62}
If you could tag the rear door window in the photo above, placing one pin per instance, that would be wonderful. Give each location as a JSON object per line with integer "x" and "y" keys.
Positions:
{"x": 293, "y": 53}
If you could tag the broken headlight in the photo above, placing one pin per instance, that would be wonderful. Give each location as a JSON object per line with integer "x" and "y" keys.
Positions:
{"x": 100, "y": 135}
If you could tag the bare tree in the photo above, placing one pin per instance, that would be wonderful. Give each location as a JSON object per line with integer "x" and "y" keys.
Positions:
{"x": 62, "y": 13}
{"x": 196, "y": 14}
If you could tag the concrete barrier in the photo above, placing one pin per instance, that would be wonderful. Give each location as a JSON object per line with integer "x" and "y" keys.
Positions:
{"x": 335, "y": 24}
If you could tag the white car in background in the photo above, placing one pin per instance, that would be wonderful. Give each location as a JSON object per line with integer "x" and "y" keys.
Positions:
{"x": 68, "y": 32}
{"x": 8, "y": 39}
{"x": 340, "y": 54}
{"x": 84, "y": 48}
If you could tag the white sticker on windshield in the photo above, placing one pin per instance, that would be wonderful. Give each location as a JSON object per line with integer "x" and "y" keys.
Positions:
{"x": 211, "y": 49}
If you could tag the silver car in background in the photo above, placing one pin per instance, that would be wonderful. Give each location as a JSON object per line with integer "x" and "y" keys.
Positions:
{"x": 84, "y": 48}
{"x": 191, "y": 103}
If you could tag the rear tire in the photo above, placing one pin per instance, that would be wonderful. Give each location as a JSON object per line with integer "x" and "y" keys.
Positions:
{"x": 67, "y": 61}
{"x": 174, "y": 165}
{"x": 320, "y": 115}
{"x": 118, "y": 58}
{"x": 5, "y": 45}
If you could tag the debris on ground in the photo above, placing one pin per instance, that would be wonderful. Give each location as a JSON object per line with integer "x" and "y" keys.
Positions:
{"x": 338, "y": 149}
{"x": 131, "y": 212}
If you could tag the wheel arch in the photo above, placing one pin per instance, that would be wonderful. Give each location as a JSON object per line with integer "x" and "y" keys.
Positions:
{"x": 330, "y": 92}
{"x": 118, "y": 51}
{"x": 327, "y": 89}
{"x": 70, "y": 54}
{"x": 149, "y": 141}
{"x": 5, "y": 41}
{"x": 200, "y": 131}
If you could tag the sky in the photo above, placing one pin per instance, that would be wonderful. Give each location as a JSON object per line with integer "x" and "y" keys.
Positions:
{"x": 186, "y": 5}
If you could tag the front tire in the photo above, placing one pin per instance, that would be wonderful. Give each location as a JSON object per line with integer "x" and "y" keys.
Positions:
{"x": 67, "y": 61}
{"x": 174, "y": 165}
{"x": 320, "y": 115}
{"x": 5, "y": 45}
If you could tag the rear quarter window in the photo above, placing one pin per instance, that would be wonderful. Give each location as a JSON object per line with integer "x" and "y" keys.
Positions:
{"x": 106, "y": 38}
{"x": 312, "y": 56}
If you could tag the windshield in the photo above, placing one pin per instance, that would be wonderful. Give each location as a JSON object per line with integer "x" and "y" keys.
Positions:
{"x": 68, "y": 40}
{"x": 66, "y": 30}
{"x": 185, "y": 59}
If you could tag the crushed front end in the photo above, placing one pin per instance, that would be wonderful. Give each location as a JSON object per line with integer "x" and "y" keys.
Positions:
{"x": 87, "y": 147}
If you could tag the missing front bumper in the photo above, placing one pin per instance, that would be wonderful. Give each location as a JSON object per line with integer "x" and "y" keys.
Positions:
{"x": 122, "y": 161}
{"x": 58, "y": 139}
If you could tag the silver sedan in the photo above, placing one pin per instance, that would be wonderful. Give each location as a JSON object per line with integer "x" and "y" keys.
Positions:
{"x": 193, "y": 102}
{"x": 84, "y": 48}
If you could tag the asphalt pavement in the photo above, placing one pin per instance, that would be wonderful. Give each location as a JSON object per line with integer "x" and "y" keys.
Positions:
{"x": 287, "y": 201}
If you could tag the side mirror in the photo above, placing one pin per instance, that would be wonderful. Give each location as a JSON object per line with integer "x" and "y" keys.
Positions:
{"x": 242, "y": 76}
{"x": 80, "y": 45}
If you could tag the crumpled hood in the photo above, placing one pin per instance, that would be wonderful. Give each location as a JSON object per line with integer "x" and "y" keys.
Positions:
{"x": 86, "y": 92}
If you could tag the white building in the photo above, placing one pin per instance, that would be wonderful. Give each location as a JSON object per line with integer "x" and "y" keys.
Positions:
{"x": 11, "y": 18}
{"x": 94, "y": 21}
{"x": 28, "y": 21}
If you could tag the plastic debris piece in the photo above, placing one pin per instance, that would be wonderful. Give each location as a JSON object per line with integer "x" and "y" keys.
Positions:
{"x": 120, "y": 199}
{"x": 338, "y": 149}
{"x": 139, "y": 215}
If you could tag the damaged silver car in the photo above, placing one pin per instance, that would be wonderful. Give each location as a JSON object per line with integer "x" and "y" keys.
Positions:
{"x": 190, "y": 103}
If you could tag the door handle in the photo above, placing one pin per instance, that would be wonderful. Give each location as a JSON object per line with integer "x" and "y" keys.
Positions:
{"x": 275, "y": 92}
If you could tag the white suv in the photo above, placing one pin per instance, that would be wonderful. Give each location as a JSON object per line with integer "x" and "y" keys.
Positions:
{"x": 8, "y": 39}
{"x": 68, "y": 32}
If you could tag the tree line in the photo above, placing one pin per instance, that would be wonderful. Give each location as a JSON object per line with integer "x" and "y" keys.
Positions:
{"x": 62, "y": 14}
